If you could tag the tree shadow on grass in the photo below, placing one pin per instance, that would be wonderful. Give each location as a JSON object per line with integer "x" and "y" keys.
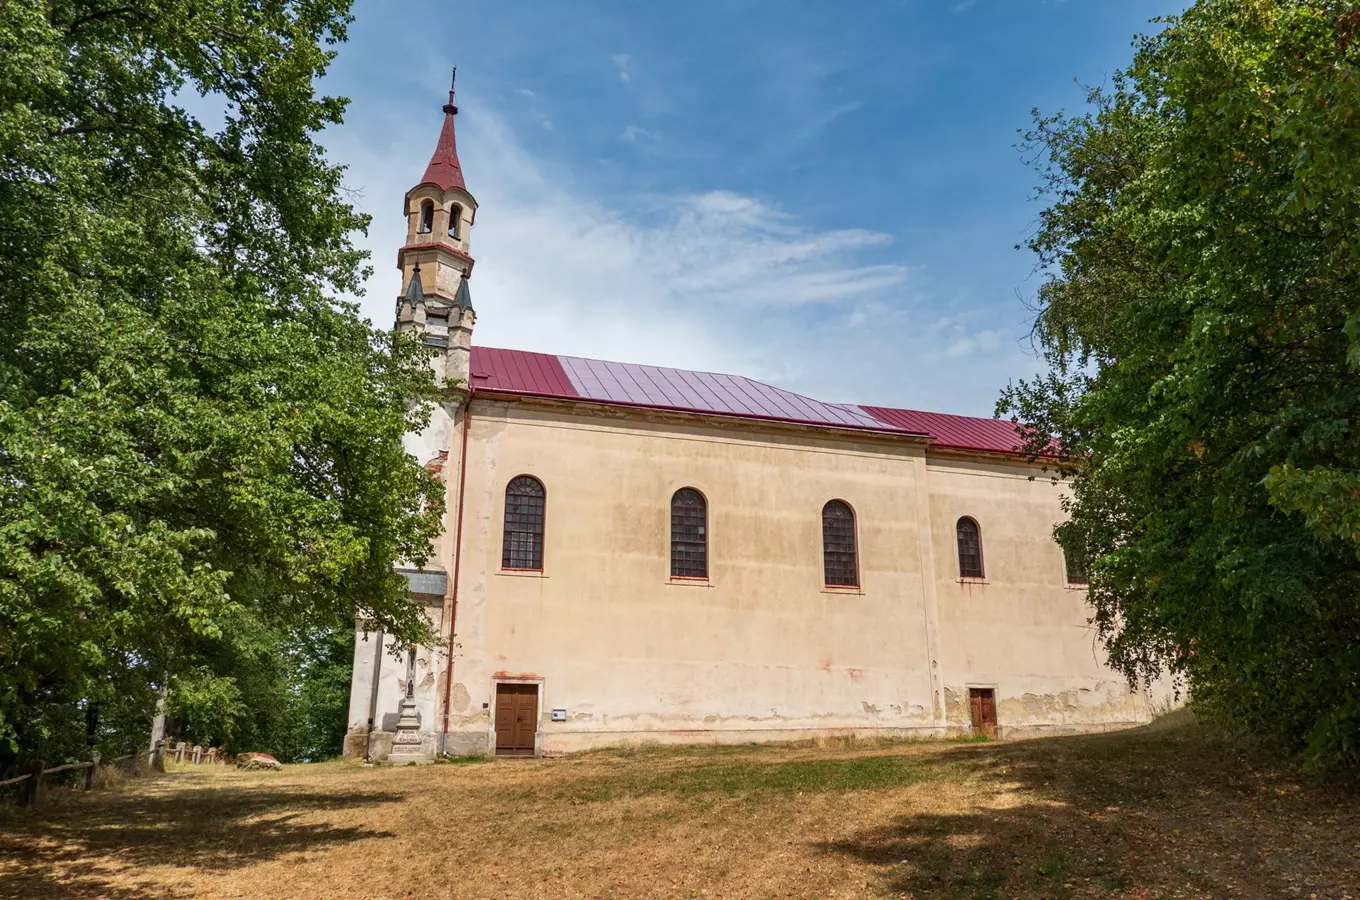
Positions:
{"x": 85, "y": 847}
{"x": 1148, "y": 813}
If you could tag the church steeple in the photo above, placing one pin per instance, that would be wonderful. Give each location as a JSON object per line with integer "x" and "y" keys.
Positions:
{"x": 435, "y": 261}
{"x": 444, "y": 170}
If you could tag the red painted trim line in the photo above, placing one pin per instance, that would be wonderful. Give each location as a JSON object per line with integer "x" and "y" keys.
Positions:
{"x": 440, "y": 245}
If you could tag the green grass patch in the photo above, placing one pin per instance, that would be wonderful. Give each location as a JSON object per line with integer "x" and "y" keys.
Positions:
{"x": 464, "y": 760}
{"x": 746, "y": 778}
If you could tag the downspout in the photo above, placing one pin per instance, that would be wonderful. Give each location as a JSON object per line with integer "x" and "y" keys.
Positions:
{"x": 457, "y": 562}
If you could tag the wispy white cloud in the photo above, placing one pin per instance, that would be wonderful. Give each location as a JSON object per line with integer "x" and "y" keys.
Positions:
{"x": 711, "y": 279}
{"x": 633, "y": 133}
{"x": 821, "y": 122}
{"x": 962, "y": 6}
{"x": 621, "y": 61}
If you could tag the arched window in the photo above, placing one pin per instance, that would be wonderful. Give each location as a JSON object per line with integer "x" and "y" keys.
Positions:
{"x": 456, "y": 222}
{"x": 970, "y": 549}
{"x": 523, "y": 544}
{"x": 839, "y": 565}
{"x": 689, "y": 534}
{"x": 1075, "y": 560}
{"x": 426, "y": 217}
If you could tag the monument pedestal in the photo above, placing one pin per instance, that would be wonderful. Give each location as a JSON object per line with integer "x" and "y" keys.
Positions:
{"x": 407, "y": 746}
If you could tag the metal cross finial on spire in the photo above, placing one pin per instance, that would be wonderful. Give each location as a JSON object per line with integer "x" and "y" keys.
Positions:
{"x": 449, "y": 107}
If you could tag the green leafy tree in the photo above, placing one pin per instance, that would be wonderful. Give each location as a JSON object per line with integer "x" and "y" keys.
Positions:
{"x": 194, "y": 429}
{"x": 1201, "y": 325}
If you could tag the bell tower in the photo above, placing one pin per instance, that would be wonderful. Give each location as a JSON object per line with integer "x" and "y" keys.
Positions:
{"x": 435, "y": 263}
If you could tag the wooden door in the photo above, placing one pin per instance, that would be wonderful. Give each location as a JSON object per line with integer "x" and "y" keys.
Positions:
{"x": 516, "y": 719}
{"x": 983, "y": 703}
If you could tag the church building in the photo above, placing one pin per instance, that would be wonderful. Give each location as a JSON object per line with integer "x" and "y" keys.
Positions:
{"x": 634, "y": 553}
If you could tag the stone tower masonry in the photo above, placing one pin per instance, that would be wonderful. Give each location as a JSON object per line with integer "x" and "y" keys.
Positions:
{"x": 435, "y": 263}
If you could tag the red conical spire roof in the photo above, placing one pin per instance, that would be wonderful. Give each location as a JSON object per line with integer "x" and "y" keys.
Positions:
{"x": 444, "y": 169}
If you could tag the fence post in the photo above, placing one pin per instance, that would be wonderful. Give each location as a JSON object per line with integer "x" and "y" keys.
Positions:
{"x": 34, "y": 785}
{"x": 89, "y": 773}
{"x": 179, "y": 752}
{"x": 158, "y": 757}
{"x": 136, "y": 761}
{"x": 197, "y": 754}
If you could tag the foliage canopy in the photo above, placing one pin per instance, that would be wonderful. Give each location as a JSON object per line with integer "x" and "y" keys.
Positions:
{"x": 1201, "y": 326}
{"x": 200, "y": 443}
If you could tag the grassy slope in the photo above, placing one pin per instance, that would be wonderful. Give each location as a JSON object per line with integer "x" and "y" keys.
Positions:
{"x": 1157, "y": 812}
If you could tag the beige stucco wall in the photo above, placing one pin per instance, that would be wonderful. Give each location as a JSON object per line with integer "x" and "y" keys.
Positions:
{"x": 630, "y": 654}
{"x": 1022, "y": 630}
{"x": 762, "y": 651}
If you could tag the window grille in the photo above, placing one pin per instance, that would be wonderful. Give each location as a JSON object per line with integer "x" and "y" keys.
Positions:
{"x": 970, "y": 549}
{"x": 524, "y": 508}
{"x": 838, "y": 545}
{"x": 689, "y": 534}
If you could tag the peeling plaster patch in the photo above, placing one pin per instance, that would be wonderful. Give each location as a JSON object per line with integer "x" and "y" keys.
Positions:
{"x": 869, "y": 708}
{"x": 1104, "y": 703}
{"x": 856, "y": 675}
{"x": 953, "y": 704}
{"x": 460, "y": 697}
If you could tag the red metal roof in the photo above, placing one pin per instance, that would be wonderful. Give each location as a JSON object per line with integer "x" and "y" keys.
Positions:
{"x": 957, "y": 432}
{"x": 520, "y": 372}
{"x": 444, "y": 169}
{"x": 657, "y": 387}
{"x": 705, "y": 392}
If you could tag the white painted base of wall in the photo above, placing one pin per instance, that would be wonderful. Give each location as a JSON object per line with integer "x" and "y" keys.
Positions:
{"x": 557, "y": 743}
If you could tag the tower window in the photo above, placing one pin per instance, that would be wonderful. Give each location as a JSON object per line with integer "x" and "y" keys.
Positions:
{"x": 839, "y": 565}
{"x": 689, "y": 534}
{"x": 970, "y": 548}
{"x": 426, "y": 217}
{"x": 456, "y": 222}
{"x": 524, "y": 508}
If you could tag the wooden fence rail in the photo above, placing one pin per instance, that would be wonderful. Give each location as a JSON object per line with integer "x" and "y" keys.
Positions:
{"x": 155, "y": 756}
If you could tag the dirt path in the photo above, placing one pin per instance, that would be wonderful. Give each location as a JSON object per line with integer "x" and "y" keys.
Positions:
{"x": 1150, "y": 813}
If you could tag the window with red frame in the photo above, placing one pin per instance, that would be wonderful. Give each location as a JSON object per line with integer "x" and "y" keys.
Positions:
{"x": 524, "y": 506}
{"x": 970, "y": 549}
{"x": 839, "y": 565}
{"x": 689, "y": 534}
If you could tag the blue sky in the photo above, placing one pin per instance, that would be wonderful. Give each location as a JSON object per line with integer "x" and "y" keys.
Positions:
{"x": 826, "y": 196}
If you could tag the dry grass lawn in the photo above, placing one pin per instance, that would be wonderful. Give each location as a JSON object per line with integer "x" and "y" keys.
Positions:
{"x": 1157, "y": 812}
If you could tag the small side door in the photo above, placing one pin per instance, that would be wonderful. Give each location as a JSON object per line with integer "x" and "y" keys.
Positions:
{"x": 982, "y": 703}
{"x": 516, "y": 719}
